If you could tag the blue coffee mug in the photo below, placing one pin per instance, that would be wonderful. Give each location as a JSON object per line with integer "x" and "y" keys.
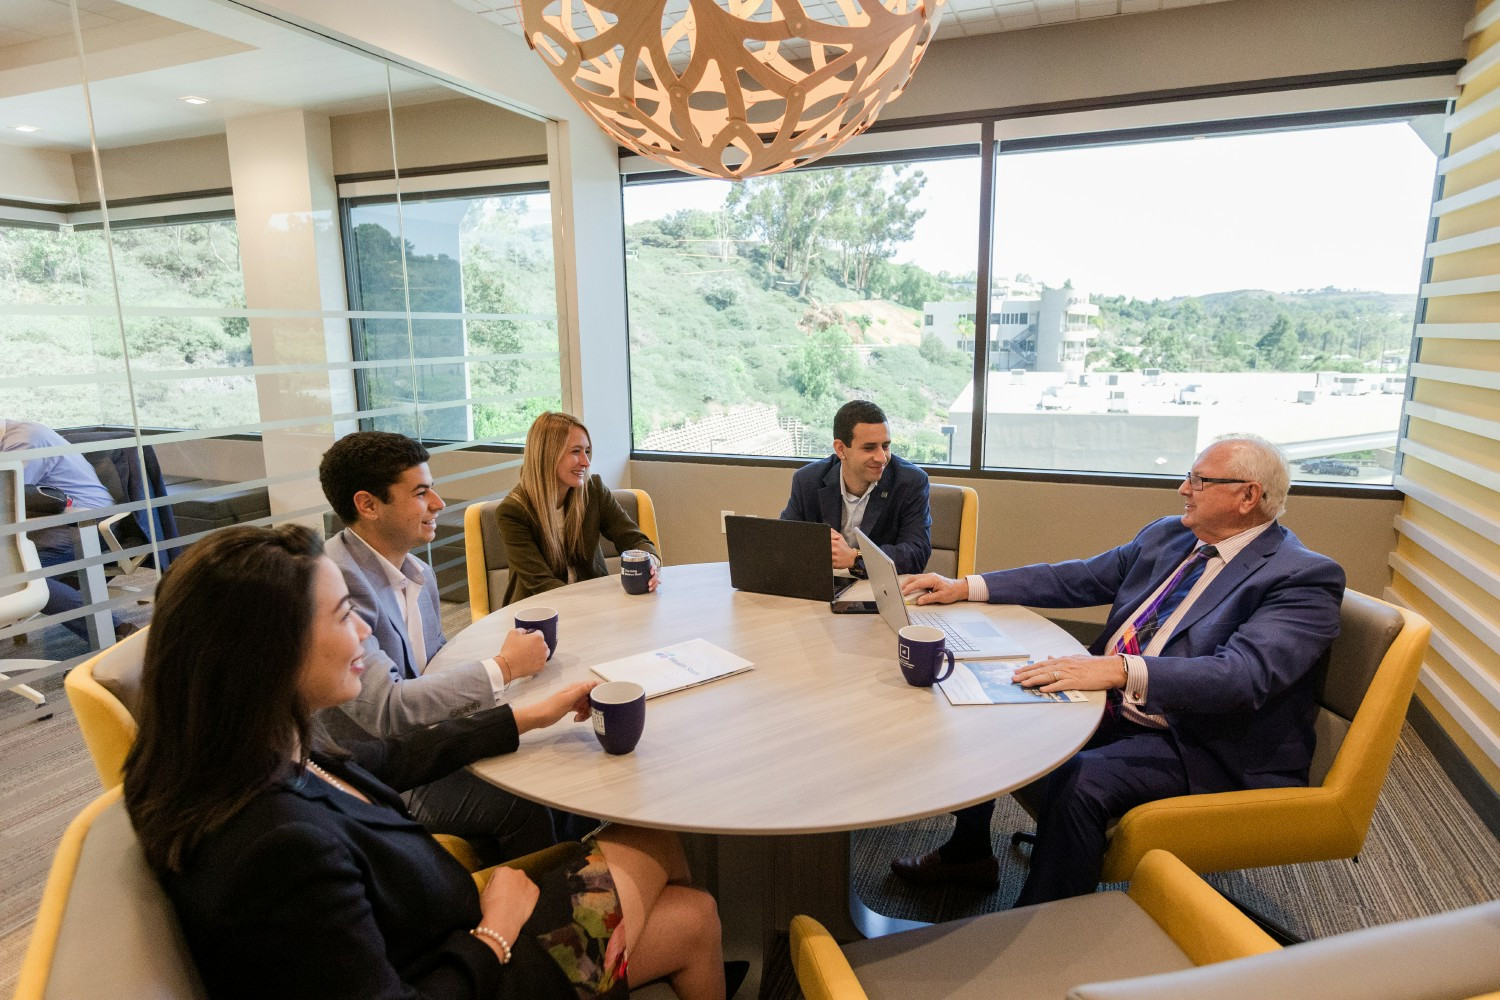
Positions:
{"x": 618, "y": 709}
{"x": 543, "y": 620}
{"x": 922, "y": 650}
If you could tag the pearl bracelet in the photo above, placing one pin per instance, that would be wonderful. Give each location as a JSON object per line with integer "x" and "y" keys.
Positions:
{"x": 498, "y": 938}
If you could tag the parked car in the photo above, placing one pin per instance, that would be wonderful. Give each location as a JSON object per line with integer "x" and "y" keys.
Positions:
{"x": 1330, "y": 467}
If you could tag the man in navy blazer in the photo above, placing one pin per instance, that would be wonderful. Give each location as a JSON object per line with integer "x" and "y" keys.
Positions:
{"x": 380, "y": 487}
{"x": 862, "y": 485}
{"x": 1217, "y": 622}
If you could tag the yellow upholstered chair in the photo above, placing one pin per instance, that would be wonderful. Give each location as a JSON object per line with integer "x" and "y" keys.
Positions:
{"x": 104, "y": 691}
{"x": 104, "y": 717}
{"x": 1170, "y": 938}
{"x": 955, "y": 530}
{"x": 1362, "y": 702}
{"x": 105, "y": 927}
{"x": 484, "y": 551}
{"x": 1171, "y": 920}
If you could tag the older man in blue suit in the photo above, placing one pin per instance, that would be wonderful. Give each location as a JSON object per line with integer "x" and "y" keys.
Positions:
{"x": 380, "y": 487}
{"x": 862, "y": 485}
{"x": 1217, "y": 621}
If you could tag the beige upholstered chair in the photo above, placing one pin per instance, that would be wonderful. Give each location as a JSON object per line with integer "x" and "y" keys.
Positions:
{"x": 1170, "y": 937}
{"x": 489, "y": 571}
{"x": 955, "y": 529}
{"x": 105, "y": 694}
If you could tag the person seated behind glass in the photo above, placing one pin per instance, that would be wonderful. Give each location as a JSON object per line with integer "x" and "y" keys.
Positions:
{"x": 294, "y": 868}
{"x": 53, "y": 485}
{"x": 552, "y": 521}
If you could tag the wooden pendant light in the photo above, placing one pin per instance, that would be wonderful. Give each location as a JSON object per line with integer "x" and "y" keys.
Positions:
{"x": 760, "y": 86}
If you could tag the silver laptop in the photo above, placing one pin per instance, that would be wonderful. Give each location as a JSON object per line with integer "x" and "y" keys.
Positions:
{"x": 970, "y": 635}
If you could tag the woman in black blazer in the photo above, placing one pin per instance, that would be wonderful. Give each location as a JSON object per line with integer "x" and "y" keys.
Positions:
{"x": 293, "y": 865}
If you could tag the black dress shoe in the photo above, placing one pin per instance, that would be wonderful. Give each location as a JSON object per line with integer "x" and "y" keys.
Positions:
{"x": 931, "y": 869}
{"x": 734, "y": 974}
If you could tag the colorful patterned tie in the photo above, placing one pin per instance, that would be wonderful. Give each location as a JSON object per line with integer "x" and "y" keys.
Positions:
{"x": 1137, "y": 635}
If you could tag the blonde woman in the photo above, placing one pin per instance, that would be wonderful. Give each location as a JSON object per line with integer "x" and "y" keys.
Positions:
{"x": 552, "y": 521}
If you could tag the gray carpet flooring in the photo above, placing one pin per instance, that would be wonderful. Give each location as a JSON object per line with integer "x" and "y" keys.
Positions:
{"x": 1427, "y": 850}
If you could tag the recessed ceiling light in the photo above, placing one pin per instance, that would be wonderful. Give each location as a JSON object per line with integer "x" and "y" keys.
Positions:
{"x": 193, "y": 100}
{"x": 25, "y": 128}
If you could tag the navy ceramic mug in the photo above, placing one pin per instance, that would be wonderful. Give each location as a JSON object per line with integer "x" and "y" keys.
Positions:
{"x": 923, "y": 651}
{"x": 619, "y": 713}
{"x": 543, "y": 620}
{"x": 635, "y": 571}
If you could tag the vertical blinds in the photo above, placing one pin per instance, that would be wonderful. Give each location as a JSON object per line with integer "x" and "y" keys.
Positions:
{"x": 1446, "y": 563}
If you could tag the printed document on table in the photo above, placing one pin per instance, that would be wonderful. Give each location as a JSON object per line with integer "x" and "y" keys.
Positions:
{"x": 672, "y": 668}
{"x": 988, "y": 682}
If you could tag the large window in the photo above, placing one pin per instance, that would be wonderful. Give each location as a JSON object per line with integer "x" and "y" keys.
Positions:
{"x": 757, "y": 309}
{"x": 1149, "y": 297}
{"x": 64, "y": 327}
{"x": 1145, "y": 297}
{"x": 477, "y": 356}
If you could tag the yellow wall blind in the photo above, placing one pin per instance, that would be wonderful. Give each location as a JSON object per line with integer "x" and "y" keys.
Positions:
{"x": 1446, "y": 563}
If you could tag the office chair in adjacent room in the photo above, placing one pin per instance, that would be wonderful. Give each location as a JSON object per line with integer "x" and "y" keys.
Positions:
{"x": 19, "y": 600}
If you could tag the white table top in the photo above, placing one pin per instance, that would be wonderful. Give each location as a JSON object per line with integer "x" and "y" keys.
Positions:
{"x": 824, "y": 734}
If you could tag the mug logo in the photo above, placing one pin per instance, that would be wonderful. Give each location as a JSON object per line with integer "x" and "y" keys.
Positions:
{"x": 598, "y": 717}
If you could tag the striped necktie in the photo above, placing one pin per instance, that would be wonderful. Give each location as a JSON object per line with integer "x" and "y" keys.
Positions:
{"x": 1137, "y": 635}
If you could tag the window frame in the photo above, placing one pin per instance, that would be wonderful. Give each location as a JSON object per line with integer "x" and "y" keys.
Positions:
{"x": 902, "y": 144}
{"x": 431, "y": 190}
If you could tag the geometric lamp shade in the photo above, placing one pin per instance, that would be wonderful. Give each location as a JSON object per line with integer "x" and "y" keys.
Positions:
{"x": 731, "y": 88}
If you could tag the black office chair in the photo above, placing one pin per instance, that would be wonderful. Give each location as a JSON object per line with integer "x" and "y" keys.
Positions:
{"x": 130, "y": 480}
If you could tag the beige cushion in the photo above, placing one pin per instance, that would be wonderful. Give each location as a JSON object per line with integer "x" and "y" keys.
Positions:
{"x": 119, "y": 934}
{"x": 118, "y": 671}
{"x": 946, "y": 504}
{"x": 1449, "y": 956}
{"x": 1036, "y": 951}
{"x": 1366, "y": 630}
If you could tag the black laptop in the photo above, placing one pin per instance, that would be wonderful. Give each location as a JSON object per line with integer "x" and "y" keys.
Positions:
{"x": 787, "y": 558}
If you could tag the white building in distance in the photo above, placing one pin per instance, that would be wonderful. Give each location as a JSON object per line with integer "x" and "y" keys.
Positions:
{"x": 1048, "y": 330}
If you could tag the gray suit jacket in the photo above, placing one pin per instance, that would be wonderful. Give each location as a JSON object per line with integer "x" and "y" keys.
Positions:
{"x": 393, "y": 697}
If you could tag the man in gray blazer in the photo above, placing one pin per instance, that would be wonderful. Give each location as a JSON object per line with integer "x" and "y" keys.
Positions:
{"x": 380, "y": 487}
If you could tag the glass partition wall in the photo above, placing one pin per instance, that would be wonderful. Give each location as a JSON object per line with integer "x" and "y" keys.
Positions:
{"x": 215, "y": 262}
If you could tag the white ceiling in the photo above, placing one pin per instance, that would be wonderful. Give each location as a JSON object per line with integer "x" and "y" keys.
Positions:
{"x": 143, "y": 56}
{"x": 960, "y": 17}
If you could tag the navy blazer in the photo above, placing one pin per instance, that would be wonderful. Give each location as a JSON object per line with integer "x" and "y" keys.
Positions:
{"x": 1237, "y": 679}
{"x": 309, "y": 892}
{"x": 896, "y": 518}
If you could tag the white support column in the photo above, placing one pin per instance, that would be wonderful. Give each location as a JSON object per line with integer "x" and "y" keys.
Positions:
{"x": 286, "y": 209}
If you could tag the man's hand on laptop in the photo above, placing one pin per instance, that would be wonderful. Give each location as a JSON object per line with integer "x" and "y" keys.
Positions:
{"x": 931, "y": 588}
{"x": 522, "y": 654}
{"x": 843, "y": 555}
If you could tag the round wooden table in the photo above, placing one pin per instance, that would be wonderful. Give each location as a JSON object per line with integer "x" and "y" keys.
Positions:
{"x": 824, "y": 733}
{"x": 823, "y": 736}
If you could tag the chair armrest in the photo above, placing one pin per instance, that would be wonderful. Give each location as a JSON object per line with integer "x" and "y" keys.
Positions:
{"x": 1219, "y": 831}
{"x": 822, "y": 970}
{"x": 1203, "y": 923}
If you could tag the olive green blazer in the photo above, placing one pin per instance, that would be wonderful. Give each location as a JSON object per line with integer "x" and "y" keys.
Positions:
{"x": 529, "y": 572}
